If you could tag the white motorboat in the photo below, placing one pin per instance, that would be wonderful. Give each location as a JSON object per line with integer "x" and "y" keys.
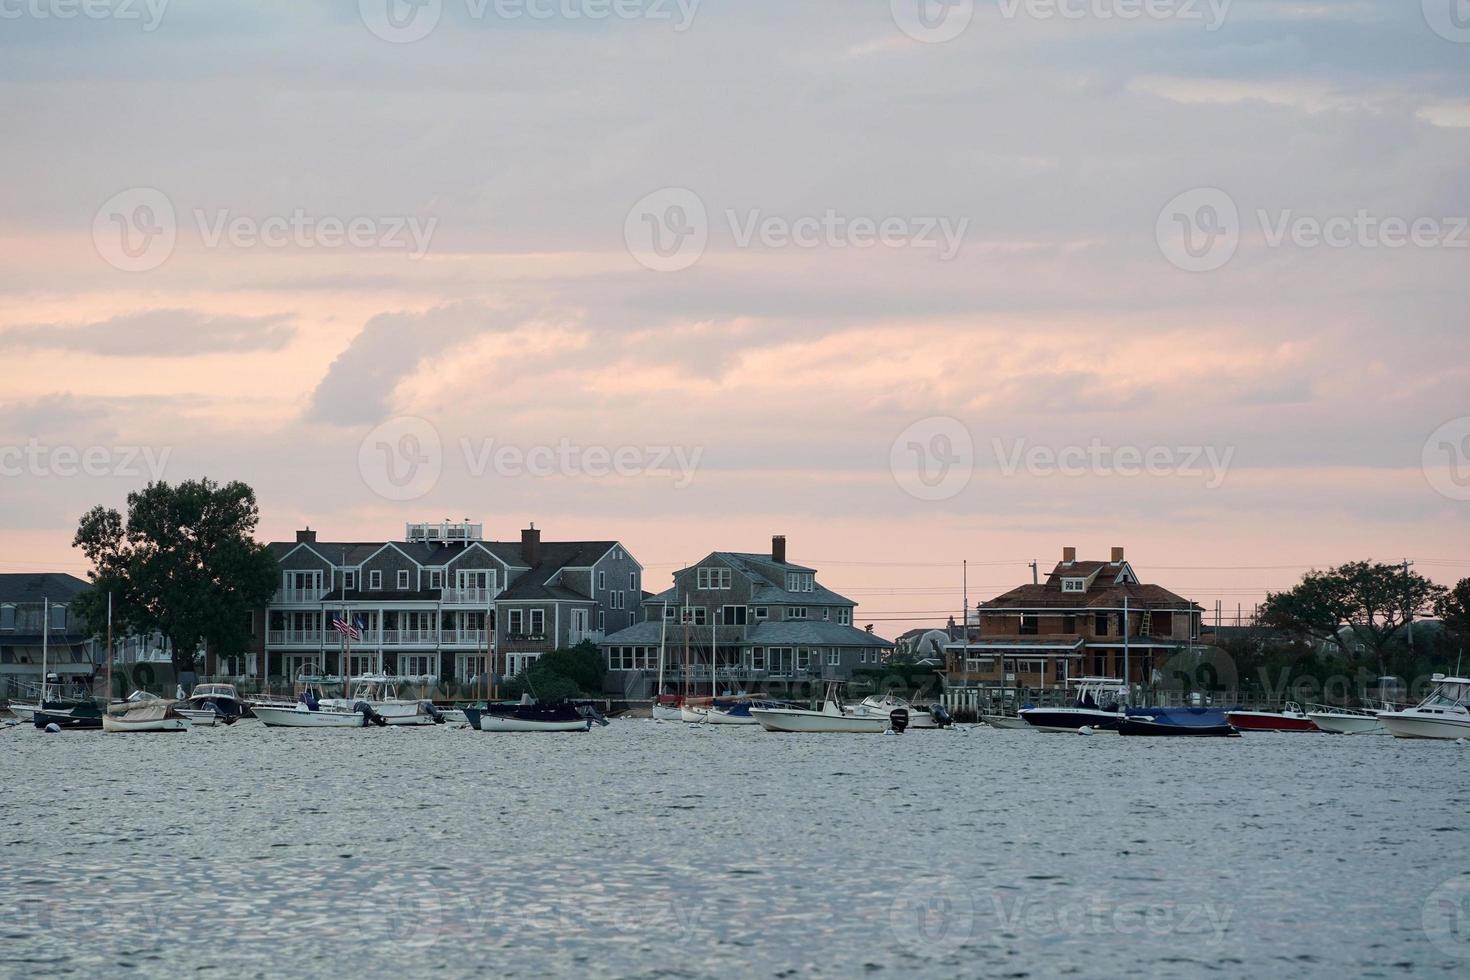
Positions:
{"x": 1346, "y": 721}
{"x": 148, "y": 715}
{"x": 830, "y": 717}
{"x": 1006, "y": 721}
{"x": 280, "y": 715}
{"x": 380, "y": 692}
{"x": 1444, "y": 714}
{"x": 1097, "y": 703}
{"x": 934, "y": 716}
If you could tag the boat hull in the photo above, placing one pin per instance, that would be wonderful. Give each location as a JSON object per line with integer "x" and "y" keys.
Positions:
{"x": 392, "y": 712}
{"x": 501, "y": 723}
{"x": 112, "y": 723}
{"x": 202, "y": 717}
{"x": 1266, "y": 721}
{"x": 68, "y": 722}
{"x": 301, "y": 717}
{"x": 693, "y": 716}
{"x": 795, "y": 720}
{"x": 1411, "y": 724}
{"x": 1347, "y": 724}
{"x": 1070, "y": 719}
{"x": 1005, "y": 721}
{"x": 666, "y": 712}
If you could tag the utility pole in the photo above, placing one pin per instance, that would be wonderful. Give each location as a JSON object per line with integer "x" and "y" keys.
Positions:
{"x": 1408, "y": 613}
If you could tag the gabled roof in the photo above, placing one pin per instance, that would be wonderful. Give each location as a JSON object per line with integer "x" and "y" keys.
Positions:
{"x": 38, "y": 586}
{"x": 768, "y": 580}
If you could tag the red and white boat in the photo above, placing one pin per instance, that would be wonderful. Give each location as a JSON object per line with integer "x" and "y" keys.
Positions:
{"x": 1289, "y": 719}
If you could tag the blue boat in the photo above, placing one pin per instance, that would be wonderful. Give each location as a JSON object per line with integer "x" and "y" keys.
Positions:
{"x": 1177, "y": 722}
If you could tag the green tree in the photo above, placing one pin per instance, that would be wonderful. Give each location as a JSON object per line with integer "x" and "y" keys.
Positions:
{"x": 185, "y": 563}
{"x": 1361, "y": 602}
{"x": 565, "y": 673}
{"x": 1453, "y": 609}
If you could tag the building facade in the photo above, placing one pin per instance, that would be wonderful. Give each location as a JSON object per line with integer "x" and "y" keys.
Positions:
{"x": 1088, "y": 618}
{"x": 771, "y": 625}
{"x": 27, "y": 599}
{"x": 440, "y": 605}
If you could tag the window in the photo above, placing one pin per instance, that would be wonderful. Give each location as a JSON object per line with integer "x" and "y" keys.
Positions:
{"x": 7, "y": 617}
{"x": 796, "y": 612}
{"x": 826, "y": 613}
{"x": 669, "y": 611}
{"x": 436, "y": 579}
{"x": 515, "y": 622}
{"x": 375, "y": 579}
{"x": 758, "y": 658}
{"x": 1100, "y": 624}
{"x": 834, "y": 658}
{"x": 844, "y": 616}
{"x": 695, "y": 615}
{"x": 601, "y": 621}
{"x": 617, "y": 554}
{"x": 1074, "y": 585}
{"x": 58, "y": 618}
{"x": 1028, "y": 624}
{"x": 538, "y": 622}
{"x": 862, "y": 656}
{"x": 712, "y": 578}
{"x": 762, "y": 612}
{"x": 633, "y": 581}
{"x": 799, "y": 582}
{"x": 414, "y": 665}
{"x": 349, "y": 581}
{"x": 803, "y": 658}
{"x": 602, "y": 581}
{"x": 732, "y": 615}
{"x": 403, "y": 579}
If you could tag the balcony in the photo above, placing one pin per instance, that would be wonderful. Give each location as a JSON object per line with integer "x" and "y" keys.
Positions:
{"x": 294, "y": 638}
{"x": 299, "y": 596}
{"x": 400, "y": 638}
{"x": 467, "y": 597}
{"x": 462, "y": 638}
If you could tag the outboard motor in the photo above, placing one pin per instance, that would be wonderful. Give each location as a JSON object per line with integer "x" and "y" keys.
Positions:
{"x": 898, "y": 720}
{"x": 366, "y": 710}
{"x": 941, "y": 716}
{"x": 590, "y": 712}
{"x": 433, "y": 712}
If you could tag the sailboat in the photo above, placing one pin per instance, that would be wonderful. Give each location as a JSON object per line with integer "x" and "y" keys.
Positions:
{"x": 664, "y": 710}
{"x": 52, "y": 708}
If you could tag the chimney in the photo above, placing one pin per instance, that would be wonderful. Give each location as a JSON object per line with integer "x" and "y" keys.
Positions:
{"x": 531, "y": 545}
{"x": 306, "y": 536}
{"x": 1069, "y": 555}
{"x": 1117, "y": 556}
{"x": 778, "y": 548}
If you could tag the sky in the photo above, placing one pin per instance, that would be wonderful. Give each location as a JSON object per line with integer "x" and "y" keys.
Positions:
{"x": 914, "y": 283}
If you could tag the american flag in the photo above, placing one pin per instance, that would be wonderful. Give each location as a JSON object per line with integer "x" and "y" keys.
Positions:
{"x": 343, "y": 626}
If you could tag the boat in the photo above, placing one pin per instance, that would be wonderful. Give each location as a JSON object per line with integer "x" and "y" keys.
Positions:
{"x": 1176, "y": 722}
{"x": 667, "y": 707}
{"x": 1443, "y": 714}
{"x": 309, "y": 712}
{"x": 1005, "y": 721}
{"x": 80, "y": 717}
{"x": 49, "y": 699}
{"x": 1097, "y": 704}
{"x": 212, "y": 704}
{"x": 933, "y": 716}
{"x": 830, "y": 717}
{"x": 380, "y": 692}
{"x": 527, "y": 715}
{"x": 1347, "y": 721}
{"x": 151, "y": 715}
{"x": 1290, "y": 718}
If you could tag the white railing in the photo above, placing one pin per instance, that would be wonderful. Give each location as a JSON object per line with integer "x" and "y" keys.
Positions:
{"x": 294, "y": 637}
{"x": 300, "y": 595}
{"x": 393, "y": 638}
{"x": 460, "y": 638}
{"x": 472, "y": 596}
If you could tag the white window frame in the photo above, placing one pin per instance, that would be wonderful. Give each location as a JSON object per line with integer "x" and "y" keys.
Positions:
{"x": 1074, "y": 585}
{"x": 349, "y": 580}
{"x": 536, "y": 629}
{"x": 515, "y": 621}
{"x": 761, "y": 612}
{"x": 796, "y": 612}
{"x": 402, "y": 580}
{"x": 834, "y": 658}
{"x": 602, "y": 581}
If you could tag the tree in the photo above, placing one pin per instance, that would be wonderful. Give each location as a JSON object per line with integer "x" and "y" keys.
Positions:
{"x": 1453, "y": 609}
{"x": 561, "y": 674}
{"x": 1360, "y": 602}
{"x": 185, "y": 563}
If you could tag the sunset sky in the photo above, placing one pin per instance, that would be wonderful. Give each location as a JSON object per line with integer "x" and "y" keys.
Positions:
{"x": 177, "y": 287}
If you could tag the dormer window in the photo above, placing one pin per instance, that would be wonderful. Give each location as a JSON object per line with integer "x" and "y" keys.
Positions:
{"x": 1074, "y": 585}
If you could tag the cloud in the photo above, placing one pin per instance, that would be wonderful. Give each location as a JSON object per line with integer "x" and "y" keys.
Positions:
{"x": 389, "y": 349}
{"x": 155, "y": 333}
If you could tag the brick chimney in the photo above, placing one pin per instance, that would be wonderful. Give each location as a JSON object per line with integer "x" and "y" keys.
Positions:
{"x": 1069, "y": 555}
{"x": 306, "y": 536}
{"x": 778, "y": 548}
{"x": 531, "y": 545}
{"x": 1117, "y": 556}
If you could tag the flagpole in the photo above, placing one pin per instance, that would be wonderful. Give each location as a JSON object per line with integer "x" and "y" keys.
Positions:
{"x": 107, "y": 698}
{"x": 347, "y": 656}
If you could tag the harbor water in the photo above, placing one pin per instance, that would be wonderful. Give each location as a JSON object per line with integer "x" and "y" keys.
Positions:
{"x": 655, "y": 850}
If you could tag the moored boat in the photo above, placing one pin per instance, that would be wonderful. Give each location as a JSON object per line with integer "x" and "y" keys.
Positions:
{"x": 1176, "y": 722}
{"x": 212, "y": 704}
{"x": 530, "y": 716}
{"x": 1445, "y": 713}
{"x": 831, "y": 717}
{"x": 1098, "y": 704}
{"x": 380, "y": 692}
{"x": 154, "y": 715}
{"x": 1346, "y": 721}
{"x": 931, "y": 716}
{"x": 309, "y": 712}
{"x": 1290, "y": 718}
{"x": 1014, "y": 722}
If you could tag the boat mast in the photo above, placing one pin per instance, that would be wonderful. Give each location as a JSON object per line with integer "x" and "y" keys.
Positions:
{"x": 1127, "y": 678}
{"x": 107, "y": 698}
{"x": 45, "y": 641}
{"x": 663, "y": 634}
{"x": 347, "y": 656}
{"x": 714, "y": 689}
